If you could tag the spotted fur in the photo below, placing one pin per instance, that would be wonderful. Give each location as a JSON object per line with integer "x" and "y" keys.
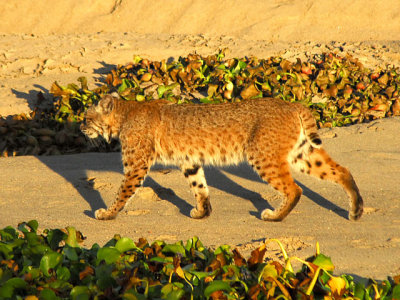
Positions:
{"x": 270, "y": 134}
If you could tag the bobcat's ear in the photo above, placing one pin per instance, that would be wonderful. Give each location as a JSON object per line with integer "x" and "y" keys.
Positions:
{"x": 106, "y": 104}
{"x": 115, "y": 95}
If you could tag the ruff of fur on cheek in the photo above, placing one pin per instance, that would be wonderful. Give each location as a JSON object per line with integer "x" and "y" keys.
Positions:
{"x": 95, "y": 143}
{"x": 107, "y": 134}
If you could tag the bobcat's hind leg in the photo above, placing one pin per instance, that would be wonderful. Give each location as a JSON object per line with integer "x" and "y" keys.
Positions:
{"x": 279, "y": 177}
{"x": 136, "y": 166}
{"x": 321, "y": 165}
{"x": 195, "y": 175}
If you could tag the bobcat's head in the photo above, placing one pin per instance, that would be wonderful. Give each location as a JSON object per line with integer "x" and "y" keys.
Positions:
{"x": 100, "y": 120}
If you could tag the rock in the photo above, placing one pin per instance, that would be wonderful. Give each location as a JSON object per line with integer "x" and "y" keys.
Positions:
{"x": 146, "y": 193}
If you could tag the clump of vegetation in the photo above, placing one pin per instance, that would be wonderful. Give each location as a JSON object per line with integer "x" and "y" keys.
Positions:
{"x": 338, "y": 90}
{"x": 53, "y": 265}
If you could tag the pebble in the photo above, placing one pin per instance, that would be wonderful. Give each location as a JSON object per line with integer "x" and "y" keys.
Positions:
{"x": 49, "y": 63}
{"x": 147, "y": 193}
{"x": 30, "y": 69}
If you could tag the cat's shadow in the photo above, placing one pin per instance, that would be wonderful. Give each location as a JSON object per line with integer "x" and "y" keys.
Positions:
{"x": 75, "y": 168}
{"x": 243, "y": 170}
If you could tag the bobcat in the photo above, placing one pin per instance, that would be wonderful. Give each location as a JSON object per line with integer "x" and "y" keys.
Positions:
{"x": 270, "y": 134}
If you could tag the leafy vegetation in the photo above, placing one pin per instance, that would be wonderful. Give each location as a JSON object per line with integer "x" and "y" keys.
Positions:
{"x": 53, "y": 265}
{"x": 338, "y": 90}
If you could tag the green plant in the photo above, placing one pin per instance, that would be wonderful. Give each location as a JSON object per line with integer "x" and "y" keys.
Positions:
{"x": 338, "y": 90}
{"x": 53, "y": 265}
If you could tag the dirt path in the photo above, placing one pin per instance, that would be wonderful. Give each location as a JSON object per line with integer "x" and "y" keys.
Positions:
{"x": 62, "y": 191}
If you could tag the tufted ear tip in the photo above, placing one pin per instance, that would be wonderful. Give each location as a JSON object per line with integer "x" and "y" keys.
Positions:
{"x": 106, "y": 104}
{"x": 115, "y": 95}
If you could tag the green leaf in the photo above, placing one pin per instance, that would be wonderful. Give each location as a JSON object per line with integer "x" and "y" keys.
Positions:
{"x": 137, "y": 59}
{"x": 195, "y": 243}
{"x": 7, "y": 290}
{"x": 72, "y": 240}
{"x": 396, "y": 292}
{"x": 175, "y": 249}
{"x": 32, "y": 238}
{"x": 359, "y": 290}
{"x": 70, "y": 253}
{"x": 324, "y": 277}
{"x": 133, "y": 295}
{"x": 126, "y": 84}
{"x": 124, "y": 244}
{"x": 140, "y": 98}
{"x": 63, "y": 273}
{"x": 33, "y": 224}
{"x": 54, "y": 237}
{"x": 206, "y": 100}
{"x": 162, "y": 89}
{"x": 104, "y": 276}
{"x": 33, "y": 272}
{"x": 217, "y": 285}
{"x": 50, "y": 261}
{"x": 8, "y": 234}
{"x": 48, "y": 294}
{"x": 240, "y": 66}
{"x": 385, "y": 287}
{"x": 172, "y": 291}
{"x": 30, "y": 226}
{"x": 200, "y": 275}
{"x": 324, "y": 262}
{"x": 269, "y": 271}
{"x": 6, "y": 251}
{"x": 108, "y": 254}
{"x": 222, "y": 249}
{"x": 199, "y": 254}
{"x": 65, "y": 109}
{"x": 80, "y": 293}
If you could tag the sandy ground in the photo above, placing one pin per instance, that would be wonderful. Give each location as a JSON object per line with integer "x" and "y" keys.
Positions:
{"x": 43, "y": 41}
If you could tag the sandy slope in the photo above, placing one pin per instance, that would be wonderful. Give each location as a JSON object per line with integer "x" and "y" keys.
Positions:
{"x": 44, "y": 41}
{"x": 318, "y": 20}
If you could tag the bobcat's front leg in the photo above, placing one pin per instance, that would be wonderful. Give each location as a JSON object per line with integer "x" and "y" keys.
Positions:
{"x": 137, "y": 162}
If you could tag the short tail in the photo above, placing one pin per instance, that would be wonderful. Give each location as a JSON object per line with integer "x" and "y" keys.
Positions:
{"x": 309, "y": 126}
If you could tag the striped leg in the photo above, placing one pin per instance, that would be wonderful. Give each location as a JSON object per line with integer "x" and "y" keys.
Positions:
{"x": 137, "y": 163}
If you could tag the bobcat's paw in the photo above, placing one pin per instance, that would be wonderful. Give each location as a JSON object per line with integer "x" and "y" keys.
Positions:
{"x": 354, "y": 216}
{"x": 102, "y": 214}
{"x": 270, "y": 215}
{"x": 198, "y": 214}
